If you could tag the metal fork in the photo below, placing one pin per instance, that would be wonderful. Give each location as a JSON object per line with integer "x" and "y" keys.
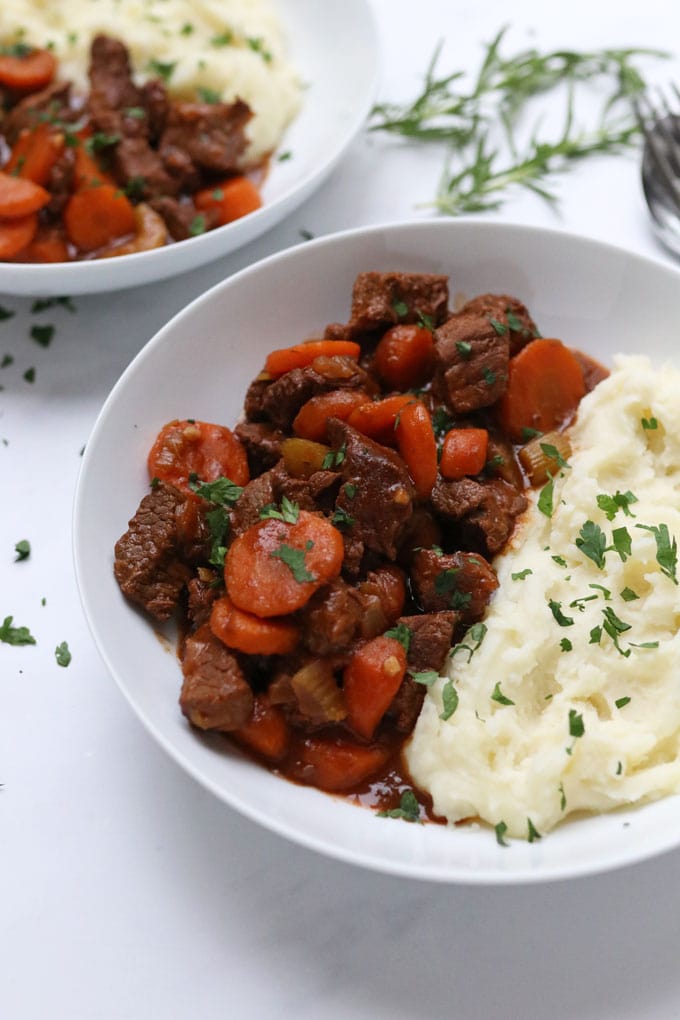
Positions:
{"x": 660, "y": 127}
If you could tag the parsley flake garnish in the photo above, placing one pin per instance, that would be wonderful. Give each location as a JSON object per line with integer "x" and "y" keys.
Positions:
{"x": 5, "y": 313}
{"x": 209, "y": 96}
{"x": 628, "y": 595}
{"x": 350, "y": 490}
{"x": 576, "y": 725}
{"x": 521, "y": 574}
{"x": 566, "y": 645}
{"x": 400, "y": 308}
{"x": 197, "y": 225}
{"x": 552, "y": 453}
{"x": 289, "y": 511}
{"x": 556, "y": 610}
{"x": 649, "y": 424}
{"x": 489, "y": 376}
{"x": 464, "y": 349}
{"x": 500, "y": 831}
{"x": 341, "y": 519}
{"x": 592, "y": 543}
{"x": 499, "y": 696}
{"x": 613, "y": 626}
{"x": 42, "y": 335}
{"x": 425, "y": 321}
{"x": 499, "y": 327}
{"x": 29, "y": 375}
{"x": 560, "y": 561}
{"x": 449, "y": 700}
{"x": 666, "y": 550}
{"x": 23, "y": 550}
{"x": 532, "y": 831}
{"x": 221, "y": 491}
{"x": 408, "y": 809}
{"x": 400, "y": 633}
{"x": 545, "y": 498}
{"x": 426, "y": 677}
{"x": 563, "y": 797}
{"x": 619, "y": 501}
{"x": 334, "y": 458}
{"x": 621, "y": 702}
{"x": 100, "y": 140}
{"x": 62, "y": 654}
{"x": 475, "y": 634}
{"x": 163, "y": 70}
{"x": 295, "y": 560}
{"x": 15, "y": 635}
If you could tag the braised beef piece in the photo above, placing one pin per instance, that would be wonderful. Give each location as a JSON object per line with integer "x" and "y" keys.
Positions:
{"x": 153, "y": 98}
{"x": 431, "y": 639}
{"x": 422, "y": 531}
{"x": 180, "y": 216}
{"x": 215, "y": 694}
{"x": 461, "y": 580}
{"x": 506, "y": 312}
{"x": 484, "y": 511}
{"x": 262, "y": 444}
{"x": 252, "y": 405}
{"x": 501, "y": 461}
{"x": 201, "y": 593}
{"x": 211, "y": 135}
{"x": 60, "y": 184}
{"x": 381, "y": 300}
{"x": 330, "y": 619}
{"x": 148, "y": 562}
{"x": 283, "y": 398}
{"x": 52, "y": 103}
{"x": 471, "y": 363}
{"x": 377, "y": 493}
{"x": 257, "y": 494}
{"x": 272, "y": 486}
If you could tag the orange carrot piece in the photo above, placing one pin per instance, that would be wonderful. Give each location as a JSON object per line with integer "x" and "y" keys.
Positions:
{"x": 404, "y": 356}
{"x": 48, "y": 245}
{"x": 16, "y": 234}
{"x": 545, "y": 385}
{"x": 283, "y": 360}
{"x": 267, "y": 731}
{"x": 274, "y": 567}
{"x": 184, "y": 448}
{"x": 371, "y": 679}
{"x": 97, "y": 215}
{"x": 29, "y": 72}
{"x": 311, "y": 420}
{"x": 229, "y": 200}
{"x": 418, "y": 447}
{"x": 35, "y": 152}
{"x": 86, "y": 170}
{"x": 378, "y": 418}
{"x": 336, "y": 764}
{"x": 250, "y": 634}
{"x": 464, "y": 453}
{"x": 19, "y": 197}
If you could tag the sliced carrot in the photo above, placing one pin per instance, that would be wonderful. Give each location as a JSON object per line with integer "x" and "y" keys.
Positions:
{"x": 336, "y": 764}
{"x": 311, "y": 421}
{"x": 250, "y": 634}
{"x": 464, "y": 453}
{"x": 185, "y": 448}
{"x": 371, "y": 679}
{"x": 229, "y": 200}
{"x": 378, "y": 418}
{"x": 418, "y": 447}
{"x": 545, "y": 385}
{"x": 97, "y": 215}
{"x": 48, "y": 245}
{"x": 404, "y": 356}
{"x": 27, "y": 72}
{"x": 283, "y": 360}
{"x": 267, "y": 731}
{"x": 87, "y": 171}
{"x": 35, "y": 152}
{"x": 274, "y": 567}
{"x": 19, "y": 197}
{"x": 16, "y": 234}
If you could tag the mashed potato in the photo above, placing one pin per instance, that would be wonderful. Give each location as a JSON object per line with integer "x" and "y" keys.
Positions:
{"x": 586, "y": 648}
{"x": 234, "y": 48}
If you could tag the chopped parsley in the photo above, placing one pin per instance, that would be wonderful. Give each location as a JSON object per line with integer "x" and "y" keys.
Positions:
{"x": 136, "y": 112}
{"x": 500, "y": 831}
{"x": 426, "y": 677}
{"x": 499, "y": 327}
{"x": 209, "y": 96}
{"x": 334, "y": 458}
{"x": 521, "y": 574}
{"x": 218, "y": 524}
{"x": 42, "y": 304}
{"x": 408, "y": 809}
{"x": 532, "y": 832}
{"x": 621, "y": 543}
{"x": 289, "y": 511}
{"x": 400, "y": 633}
{"x": 400, "y": 308}
{"x": 545, "y": 498}
{"x": 563, "y": 797}
{"x": 341, "y": 519}
{"x": 499, "y": 696}
{"x": 666, "y": 550}
{"x": 476, "y": 635}
{"x": 283, "y": 157}
{"x": 135, "y": 187}
{"x": 163, "y": 70}
{"x": 7, "y": 360}
{"x": 613, "y": 626}
{"x": 29, "y": 375}
{"x": 556, "y": 610}
{"x": 295, "y": 560}
{"x": 552, "y": 453}
{"x": 197, "y": 225}
{"x": 425, "y": 321}
{"x": 350, "y": 490}
{"x": 576, "y": 725}
{"x": 464, "y": 348}
{"x": 566, "y": 645}
{"x": 489, "y": 376}
{"x": 592, "y": 543}
{"x": 222, "y": 491}
{"x": 23, "y": 550}
{"x": 622, "y": 702}
{"x": 62, "y": 654}
{"x": 560, "y": 561}
{"x": 628, "y": 595}
{"x": 15, "y": 635}
{"x": 100, "y": 140}
{"x": 42, "y": 335}
{"x": 5, "y": 313}
{"x": 649, "y": 424}
{"x": 449, "y": 700}
{"x": 619, "y": 501}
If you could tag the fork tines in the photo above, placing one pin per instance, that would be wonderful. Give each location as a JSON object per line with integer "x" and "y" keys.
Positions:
{"x": 660, "y": 127}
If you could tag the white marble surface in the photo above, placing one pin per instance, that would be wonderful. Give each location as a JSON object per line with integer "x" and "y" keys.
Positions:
{"x": 126, "y": 891}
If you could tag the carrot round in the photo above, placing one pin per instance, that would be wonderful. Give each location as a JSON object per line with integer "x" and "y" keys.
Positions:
{"x": 274, "y": 567}
{"x": 48, "y": 245}
{"x": 249, "y": 633}
{"x": 267, "y": 730}
{"x": 27, "y": 72}
{"x": 229, "y": 200}
{"x": 464, "y": 453}
{"x": 311, "y": 420}
{"x": 188, "y": 447}
{"x": 19, "y": 197}
{"x": 404, "y": 356}
{"x": 97, "y": 215}
{"x": 371, "y": 679}
{"x": 545, "y": 385}
{"x": 418, "y": 447}
{"x": 16, "y": 234}
{"x": 336, "y": 764}
{"x": 378, "y": 418}
{"x": 286, "y": 358}
{"x": 35, "y": 152}
{"x": 86, "y": 170}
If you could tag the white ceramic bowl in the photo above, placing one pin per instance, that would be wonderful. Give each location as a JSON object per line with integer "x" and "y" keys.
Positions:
{"x": 598, "y": 298}
{"x": 323, "y": 38}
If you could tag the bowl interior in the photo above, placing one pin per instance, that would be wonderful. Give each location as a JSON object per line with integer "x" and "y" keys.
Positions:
{"x": 594, "y": 297}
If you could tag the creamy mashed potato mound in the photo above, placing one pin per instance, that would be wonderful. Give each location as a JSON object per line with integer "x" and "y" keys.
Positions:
{"x": 595, "y": 719}
{"x": 235, "y": 48}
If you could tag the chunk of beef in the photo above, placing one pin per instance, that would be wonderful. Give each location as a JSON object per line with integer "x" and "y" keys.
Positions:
{"x": 148, "y": 564}
{"x": 471, "y": 363}
{"x": 422, "y": 531}
{"x": 484, "y": 511}
{"x": 262, "y": 444}
{"x": 462, "y": 580}
{"x": 272, "y": 486}
{"x": 136, "y": 163}
{"x": 60, "y": 184}
{"x": 283, "y": 398}
{"x": 505, "y": 311}
{"x": 331, "y": 618}
{"x": 253, "y": 404}
{"x": 257, "y": 494}
{"x": 215, "y": 694}
{"x": 202, "y": 592}
{"x": 377, "y": 494}
{"x": 52, "y": 102}
{"x": 180, "y": 216}
{"x": 112, "y": 89}
{"x": 381, "y": 595}
{"x": 431, "y": 639}
{"x": 210, "y": 135}
{"x": 153, "y": 97}
{"x": 380, "y": 300}
{"x": 501, "y": 461}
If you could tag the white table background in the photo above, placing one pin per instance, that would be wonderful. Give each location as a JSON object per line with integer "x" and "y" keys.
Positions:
{"x": 126, "y": 890}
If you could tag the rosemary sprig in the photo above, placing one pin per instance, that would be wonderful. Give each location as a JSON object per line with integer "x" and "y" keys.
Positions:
{"x": 483, "y": 162}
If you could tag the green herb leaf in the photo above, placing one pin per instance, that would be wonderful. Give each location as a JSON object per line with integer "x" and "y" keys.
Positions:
{"x": 222, "y": 491}
{"x": 62, "y": 654}
{"x": 556, "y": 610}
{"x": 576, "y": 725}
{"x": 163, "y": 70}
{"x": 100, "y": 140}
{"x": 42, "y": 334}
{"x": 449, "y": 700}
{"x": 649, "y": 424}
{"x": 400, "y": 308}
{"x": 209, "y": 96}
{"x": 15, "y": 635}
{"x": 566, "y": 645}
{"x": 560, "y": 561}
{"x": 499, "y": 696}
{"x": 666, "y": 550}
{"x": 425, "y": 321}
{"x": 563, "y": 798}
{"x": 619, "y": 501}
{"x": 545, "y": 498}
{"x": 622, "y": 702}
{"x": 628, "y": 595}
{"x": 552, "y": 453}
{"x": 23, "y": 550}
{"x": 521, "y": 574}
{"x": 5, "y": 313}
{"x": 426, "y": 677}
{"x": 592, "y": 543}
{"x": 408, "y": 809}
{"x": 29, "y": 375}
{"x": 198, "y": 225}
{"x": 341, "y": 519}
{"x": 334, "y": 458}
{"x": 218, "y": 525}
{"x": 350, "y": 490}
{"x": 289, "y": 512}
{"x": 400, "y": 633}
{"x": 532, "y": 831}
{"x": 464, "y": 349}
{"x": 613, "y": 626}
{"x": 295, "y": 560}
{"x": 500, "y": 831}
{"x": 475, "y": 635}
{"x": 499, "y": 327}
